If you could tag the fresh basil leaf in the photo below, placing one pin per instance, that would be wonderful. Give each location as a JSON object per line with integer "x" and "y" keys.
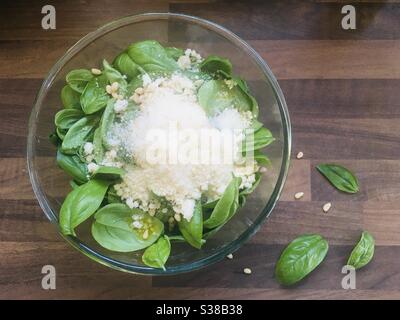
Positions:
{"x": 81, "y": 132}
{"x": 70, "y": 98}
{"x": 216, "y": 65}
{"x": 108, "y": 173}
{"x": 225, "y": 207}
{"x": 300, "y": 257}
{"x": 125, "y": 65}
{"x": 65, "y": 118}
{"x": 98, "y": 149}
{"x": 113, "y": 75}
{"x": 113, "y": 231}
{"x": 261, "y": 158}
{"x": 80, "y": 204}
{"x": 72, "y": 165}
{"x": 258, "y": 140}
{"x": 242, "y": 200}
{"x": 192, "y": 230}
{"x": 215, "y": 96}
{"x": 340, "y": 177}
{"x": 106, "y": 123}
{"x": 174, "y": 53}
{"x": 151, "y": 56}
{"x": 158, "y": 253}
{"x": 61, "y": 133}
{"x": 77, "y": 79}
{"x": 94, "y": 96}
{"x": 54, "y": 139}
{"x": 363, "y": 252}
{"x": 112, "y": 196}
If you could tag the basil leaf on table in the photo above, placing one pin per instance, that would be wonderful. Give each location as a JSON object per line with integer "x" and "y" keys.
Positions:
{"x": 112, "y": 229}
{"x": 215, "y": 96}
{"x": 125, "y": 65}
{"x": 73, "y": 166}
{"x": 65, "y": 118}
{"x": 81, "y": 132}
{"x": 192, "y": 230}
{"x": 108, "y": 173}
{"x": 225, "y": 206}
{"x": 70, "y": 98}
{"x": 77, "y": 79}
{"x": 174, "y": 53}
{"x": 80, "y": 204}
{"x": 340, "y": 177}
{"x": 300, "y": 257}
{"x": 151, "y": 56}
{"x": 363, "y": 252}
{"x": 94, "y": 97}
{"x": 158, "y": 253}
{"x": 217, "y": 65}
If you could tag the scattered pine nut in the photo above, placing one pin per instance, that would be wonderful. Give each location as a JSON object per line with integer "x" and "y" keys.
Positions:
{"x": 230, "y": 256}
{"x": 96, "y": 71}
{"x": 326, "y": 207}
{"x": 300, "y": 155}
{"x": 299, "y": 195}
{"x": 247, "y": 271}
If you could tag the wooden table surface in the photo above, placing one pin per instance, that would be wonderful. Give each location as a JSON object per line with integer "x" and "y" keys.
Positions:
{"x": 343, "y": 93}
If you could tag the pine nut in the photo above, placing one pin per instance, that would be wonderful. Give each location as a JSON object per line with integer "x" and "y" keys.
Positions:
{"x": 326, "y": 206}
{"x": 299, "y": 195}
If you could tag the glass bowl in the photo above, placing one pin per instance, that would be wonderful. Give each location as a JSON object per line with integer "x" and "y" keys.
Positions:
{"x": 51, "y": 184}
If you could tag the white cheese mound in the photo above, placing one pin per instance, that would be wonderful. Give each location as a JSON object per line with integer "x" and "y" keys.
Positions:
{"x": 170, "y": 125}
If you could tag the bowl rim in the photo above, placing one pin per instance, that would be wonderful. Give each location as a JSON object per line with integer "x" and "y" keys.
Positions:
{"x": 226, "y": 249}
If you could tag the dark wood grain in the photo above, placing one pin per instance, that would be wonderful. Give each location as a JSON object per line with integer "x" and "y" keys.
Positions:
{"x": 342, "y": 90}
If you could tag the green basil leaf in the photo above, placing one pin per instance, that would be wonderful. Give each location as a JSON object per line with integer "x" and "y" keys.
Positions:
{"x": 94, "y": 97}
{"x": 157, "y": 254}
{"x": 112, "y": 196}
{"x": 242, "y": 200}
{"x": 70, "y": 98}
{"x": 61, "y": 133}
{"x": 72, "y": 165}
{"x": 77, "y": 79}
{"x": 225, "y": 207}
{"x": 363, "y": 252}
{"x": 65, "y": 118}
{"x": 215, "y": 65}
{"x": 98, "y": 149}
{"x": 54, "y": 139}
{"x": 125, "y": 65}
{"x": 174, "y": 53}
{"x": 107, "y": 121}
{"x": 113, "y": 75}
{"x": 81, "y": 132}
{"x": 192, "y": 230}
{"x": 300, "y": 257}
{"x": 261, "y": 158}
{"x": 80, "y": 204}
{"x": 340, "y": 177}
{"x": 215, "y": 96}
{"x": 108, "y": 173}
{"x": 113, "y": 231}
{"x": 260, "y": 139}
{"x": 151, "y": 56}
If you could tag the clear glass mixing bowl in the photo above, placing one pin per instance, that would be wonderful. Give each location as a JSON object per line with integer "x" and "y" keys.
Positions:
{"x": 51, "y": 185}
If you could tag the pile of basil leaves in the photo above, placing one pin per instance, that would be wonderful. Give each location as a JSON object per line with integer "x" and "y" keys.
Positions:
{"x": 87, "y": 116}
